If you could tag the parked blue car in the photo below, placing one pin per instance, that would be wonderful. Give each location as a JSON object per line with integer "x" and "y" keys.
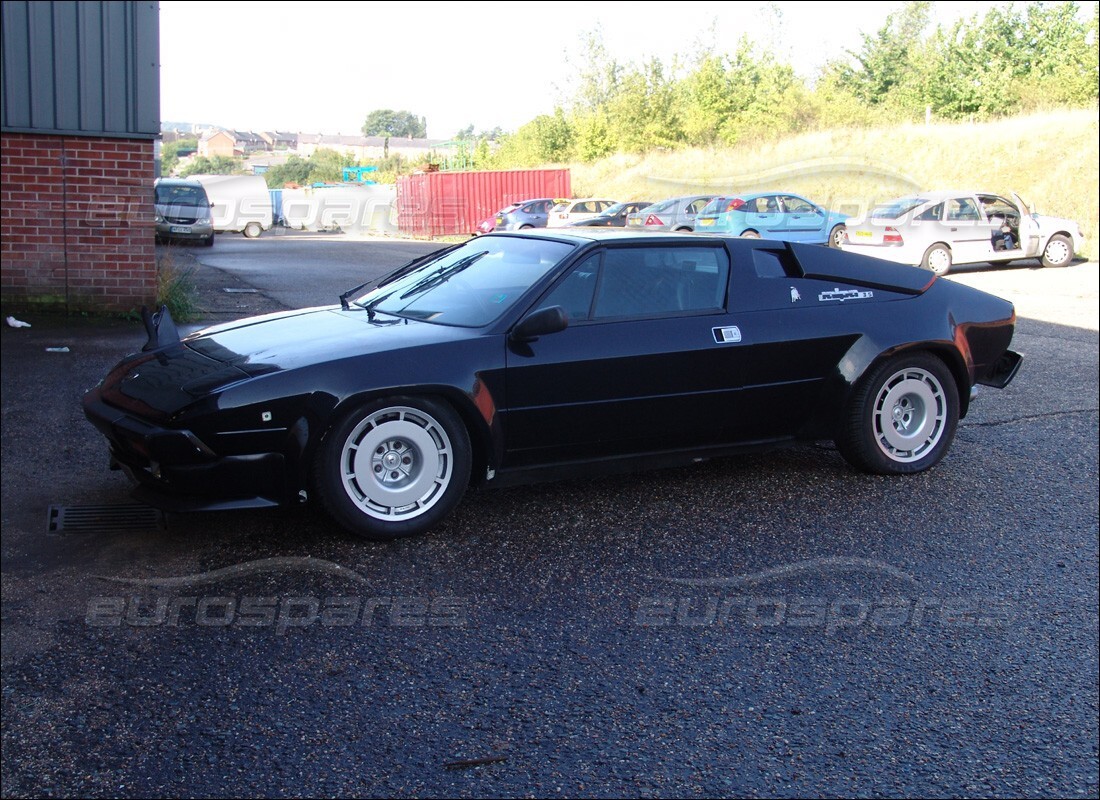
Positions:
{"x": 772, "y": 215}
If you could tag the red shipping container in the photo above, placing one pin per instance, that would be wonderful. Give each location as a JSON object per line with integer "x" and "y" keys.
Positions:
{"x": 453, "y": 203}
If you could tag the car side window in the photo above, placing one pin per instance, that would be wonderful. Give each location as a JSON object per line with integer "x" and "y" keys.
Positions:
{"x": 962, "y": 208}
{"x": 796, "y": 205}
{"x": 651, "y": 281}
{"x": 575, "y": 293}
{"x": 770, "y": 263}
{"x": 932, "y": 214}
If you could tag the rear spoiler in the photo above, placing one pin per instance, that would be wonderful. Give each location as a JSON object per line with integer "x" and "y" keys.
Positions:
{"x": 824, "y": 263}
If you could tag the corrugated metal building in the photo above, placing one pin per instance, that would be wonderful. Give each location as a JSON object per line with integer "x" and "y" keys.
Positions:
{"x": 79, "y": 114}
{"x": 450, "y": 203}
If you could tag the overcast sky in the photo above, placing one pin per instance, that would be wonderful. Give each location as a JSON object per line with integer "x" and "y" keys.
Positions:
{"x": 322, "y": 67}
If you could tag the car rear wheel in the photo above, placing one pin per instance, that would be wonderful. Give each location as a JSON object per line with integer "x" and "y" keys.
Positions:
{"x": 1058, "y": 252}
{"x": 902, "y": 416}
{"x": 938, "y": 259}
{"x": 837, "y": 236}
{"x": 253, "y": 229}
{"x": 394, "y": 467}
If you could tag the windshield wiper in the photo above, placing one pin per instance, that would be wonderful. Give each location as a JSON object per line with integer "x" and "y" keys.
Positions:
{"x": 393, "y": 275}
{"x": 442, "y": 275}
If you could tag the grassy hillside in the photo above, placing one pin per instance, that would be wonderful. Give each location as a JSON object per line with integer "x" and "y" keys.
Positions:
{"x": 1052, "y": 160}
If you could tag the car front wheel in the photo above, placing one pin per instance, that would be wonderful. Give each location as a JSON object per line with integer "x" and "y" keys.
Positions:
{"x": 837, "y": 236}
{"x": 394, "y": 467}
{"x": 1058, "y": 252}
{"x": 902, "y": 416}
{"x": 253, "y": 229}
{"x": 938, "y": 259}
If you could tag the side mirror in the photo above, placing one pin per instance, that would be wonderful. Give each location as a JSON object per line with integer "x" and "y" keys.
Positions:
{"x": 540, "y": 323}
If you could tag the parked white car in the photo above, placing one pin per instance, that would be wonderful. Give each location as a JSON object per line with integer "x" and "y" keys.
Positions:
{"x": 568, "y": 211}
{"x": 937, "y": 230}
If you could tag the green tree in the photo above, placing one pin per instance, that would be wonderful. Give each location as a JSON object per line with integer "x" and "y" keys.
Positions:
{"x": 645, "y": 113}
{"x": 386, "y": 122}
{"x": 887, "y": 59}
{"x": 327, "y": 166}
{"x": 170, "y": 154}
{"x": 295, "y": 170}
{"x": 214, "y": 165}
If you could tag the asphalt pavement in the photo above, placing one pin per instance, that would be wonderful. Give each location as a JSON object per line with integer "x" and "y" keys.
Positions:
{"x": 770, "y": 625}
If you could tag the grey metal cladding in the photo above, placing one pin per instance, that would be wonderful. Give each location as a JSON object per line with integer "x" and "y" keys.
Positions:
{"x": 81, "y": 68}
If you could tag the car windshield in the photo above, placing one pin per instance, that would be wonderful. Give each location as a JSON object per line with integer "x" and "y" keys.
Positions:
{"x": 181, "y": 195}
{"x": 470, "y": 286}
{"x": 897, "y": 208}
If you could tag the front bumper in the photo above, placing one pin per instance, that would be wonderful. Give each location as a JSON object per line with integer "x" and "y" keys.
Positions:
{"x": 176, "y": 471}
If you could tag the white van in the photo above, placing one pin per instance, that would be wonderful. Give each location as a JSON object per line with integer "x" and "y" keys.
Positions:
{"x": 239, "y": 203}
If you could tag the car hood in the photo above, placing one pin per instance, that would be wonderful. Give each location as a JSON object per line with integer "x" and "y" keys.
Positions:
{"x": 292, "y": 339}
{"x": 167, "y": 379}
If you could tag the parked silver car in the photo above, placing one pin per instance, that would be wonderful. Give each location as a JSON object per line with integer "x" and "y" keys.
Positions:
{"x": 528, "y": 214}
{"x": 182, "y": 211}
{"x": 673, "y": 214}
{"x": 937, "y": 230}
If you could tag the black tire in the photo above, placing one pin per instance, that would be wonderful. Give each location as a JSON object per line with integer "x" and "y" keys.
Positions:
{"x": 1058, "y": 252}
{"x": 750, "y": 235}
{"x": 902, "y": 416}
{"x": 208, "y": 241}
{"x": 937, "y": 258}
{"x": 394, "y": 467}
{"x": 837, "y": 236}
{"x": 253, "y": 230}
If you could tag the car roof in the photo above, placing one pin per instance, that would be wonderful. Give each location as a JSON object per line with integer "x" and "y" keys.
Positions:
{"x": 944, "y": 194}
{"x": 578, "y": 235}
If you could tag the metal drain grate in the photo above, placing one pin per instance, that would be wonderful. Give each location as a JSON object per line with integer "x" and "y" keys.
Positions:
{"x": 104, "y": 519}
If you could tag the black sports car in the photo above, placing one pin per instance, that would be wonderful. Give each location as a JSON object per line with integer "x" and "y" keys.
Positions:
{"x": 524, "y": 356}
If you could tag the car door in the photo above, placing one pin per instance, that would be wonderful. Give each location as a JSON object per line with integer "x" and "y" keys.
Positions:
{"x": 802, "y": 220}
{"x": 764, "y": 215}
{"x": 968, "y": 230}
{"x": 647, "y": 363}
{"x": 1028, "y": 233}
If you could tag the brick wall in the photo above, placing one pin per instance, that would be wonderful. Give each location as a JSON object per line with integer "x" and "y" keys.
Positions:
{"x": 76, "y": 223}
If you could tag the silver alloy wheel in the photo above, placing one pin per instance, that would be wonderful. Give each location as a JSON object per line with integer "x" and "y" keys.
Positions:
{"x": 253, "y": 230}
{"x": 910, "y": 415}
{"x": 397, "y": 463}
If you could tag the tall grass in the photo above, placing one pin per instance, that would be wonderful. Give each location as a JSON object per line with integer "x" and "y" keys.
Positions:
{"x": 1050, "y": 159}
{"x": 176, "y": 287}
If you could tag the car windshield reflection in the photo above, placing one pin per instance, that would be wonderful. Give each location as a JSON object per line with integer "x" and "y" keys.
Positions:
{"x": 470, "y": 286}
